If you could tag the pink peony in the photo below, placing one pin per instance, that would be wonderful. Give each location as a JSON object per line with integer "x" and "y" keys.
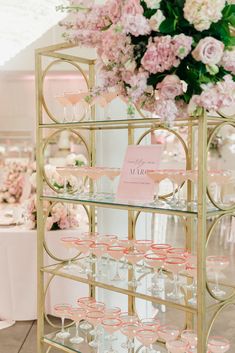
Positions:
{"x": 170, "y": 87}
{"x": 160, "y": 55}
{"x": 209, "y": 51}
{"x": 228, "y": 60}
{"x": 114, "y": 10}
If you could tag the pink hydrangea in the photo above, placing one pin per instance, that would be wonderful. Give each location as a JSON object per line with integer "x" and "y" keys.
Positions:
{"x": 166, "y": 110}
{"x": 136, "y": 25}
{"x": 132, "y": 7}
{"x": 160, "y": 55}
{"x": 114, "y": 10}
{"x": 183, "y": 45}
{"x": 228, "y": 60}
{"x": 202, "y": 13}
{"x": 138, "y": 83}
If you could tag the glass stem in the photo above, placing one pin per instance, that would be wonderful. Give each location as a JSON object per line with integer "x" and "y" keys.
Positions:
{"x": 157, "y": 192}
{"x": 179, "y": 195}
{"x": 216, "y": 281}
{"x": 173, "y": 193}
{"x": 117, "y": 269}
{"x": 176, "y": 284}
{"x": 77, "y": 325}
{"x": 62, "y": 326}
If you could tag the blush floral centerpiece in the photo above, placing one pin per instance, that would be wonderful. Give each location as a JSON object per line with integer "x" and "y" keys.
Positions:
{"x": 162, "y": 55}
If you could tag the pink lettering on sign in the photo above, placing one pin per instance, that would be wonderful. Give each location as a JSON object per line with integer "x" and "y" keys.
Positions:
{"x": 134, "y": 184}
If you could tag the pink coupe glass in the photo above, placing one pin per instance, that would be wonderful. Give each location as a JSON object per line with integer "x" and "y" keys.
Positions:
{"x": 190, "y": 337}
{"x": 116, "y": 252}
{"x": 175, "y": 265}
{"x": 133, "y": 257}
{"x": 168, "y": 332}
{"x": 65, "y": 103}
{"x": 112, "y": 174}
{"x": 95, "y": 318}
{"x": 75, "y": 98}
{"x": 84, "y": 247}
{"x": 69, "y": 244}
{"x": 161, "y": 248}
{"x": 178, "y": 346}
{"x": 217, "y": 264}
{"x": 62, "y": 310}
{"x": 83, "y": 303}
{"x": 111, "y": 326}
{"x": 156, "y": 261}
{"x": 77, "y": 314}
{"x": 99, "y": 249}
{"x": 147, "y": 337}
{"x": 129, "y": 330}
{"x": 217, "y": 344}
{"x": 192, "y": 271}
{"x": 157, "y": 177}
{"x": 143, "y": 246}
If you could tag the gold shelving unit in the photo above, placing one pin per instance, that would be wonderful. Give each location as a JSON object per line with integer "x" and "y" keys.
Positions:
{"x": 205, "y": 313}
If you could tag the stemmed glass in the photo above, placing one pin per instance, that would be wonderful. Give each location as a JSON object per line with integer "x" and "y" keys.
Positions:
{"x": 116, "y": 252}
{"x": 217, "y": 264}
{"x": 133, "y": 257}
{"x": 74, "y": 98}
{"x": 96, "y": 306}
{"x": 147, "y": 337}
{"x": 62, "y": 310}
{"x": 111, "y": 325}
{"x": 65, "y": 174}
{"x": 98, "y": 249}
{"x": 77, "y": 314}
{"x": 178, "y": 346}
{"x": 178, "y": 178}
{"x": 150, "y": 323}
{"x": 69, "y": 243}
{"x": 104, "y": 100}
{"x": 126, "y": 318}
{"x": 156, "y": 261}
{"x": 175, "y": 265}
{"x": 127, "y": 243}
{"x": 90, "y": 236}
{"x": 129, "y": 330}
{"x": 191, "y": 269}
{"x": 95, "y": 174}
{"x": 217, "y": 344}
{"x": 190, "y": 337}
{"x": 143, "y": 246}
{"x": 162, "y": 249}
{"x": 168, "y": 333}
{"x": 83, "y": 303}
{"x": 157, "y": 177}
{"x": 84, "y": 247}
{"x": 65, "y": 103}
{"x": 111, "y": 174}
{"x": 109, "y": 239}
{"x": 95, "y": 318}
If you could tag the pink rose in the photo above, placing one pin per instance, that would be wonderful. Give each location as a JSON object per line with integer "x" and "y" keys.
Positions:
{"x": 209, "y": 51}
{"x": 133, "y": 7}
{"x": 170, "y": 87}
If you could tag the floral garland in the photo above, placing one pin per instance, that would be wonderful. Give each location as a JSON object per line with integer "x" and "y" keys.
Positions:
{"x": 161, "y": 54}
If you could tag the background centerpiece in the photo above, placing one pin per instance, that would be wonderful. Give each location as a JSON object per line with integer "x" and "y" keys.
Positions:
{"x": 161, "y": 55}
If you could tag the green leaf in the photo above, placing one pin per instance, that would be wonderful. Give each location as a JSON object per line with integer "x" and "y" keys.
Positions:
{"x": 168, "y": 26}
{"x": 231, "y": 19}
{"x": 228, "y": 11}
{"x": 229, "y": 42}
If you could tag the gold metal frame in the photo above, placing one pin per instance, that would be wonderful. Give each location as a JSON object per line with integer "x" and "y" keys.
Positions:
{"x": 192, "y": 123}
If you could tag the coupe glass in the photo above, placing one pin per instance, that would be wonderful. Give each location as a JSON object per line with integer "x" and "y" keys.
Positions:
{"x": 190, "y": 337}
{"x": 217, "y": 344}
{"x": 143, "y": 246}
{"x": 217, "y": 264}
{"x": 178, "y": 178}
{"x": 65, "y": 174}
{"x": 109, "y": 239}
{"x": 74, "y": 98}
{"x": 126, "y": 318}
{"x": 69, "y": 244}
{"x": 152, "y": 324}
{"x": 96, "y": 306}
{"x": 156, "y": 261}
{"x": 128, "y": 244}
{"x": 111, "y": 326}
{"x": 95, "y": 174}
{"x": 178, "y": 252}
{"x": 104, "y": 100}
{"x": 129, "y": 330}
{"x": 175, "y": 265}
{"x": 65, "y": 103}
{"x": 192, "y": 271}
{"x": 116, "y": 252}
{"x": 83, "y": 303}
{"x": 147, "y": 337}
{"x": 77, "y": 314}
{"x": 99, "y": 249}
{"x": 157, "y": 177}
{"x": 62, "y": 310}
{"x": 168, "y": 333}
{"x": 178, "y": 346}
{"x": 111, "y": 174}
{"x": 84, "y": 247}
{"x": 133, "y": 257}
{"x": 90, "y": 236}
{"x": 95, "y": 318}
{"x": 161, "y": 248}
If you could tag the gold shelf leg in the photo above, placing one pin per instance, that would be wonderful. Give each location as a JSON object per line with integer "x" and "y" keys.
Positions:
{"x": 201, "y": 236}
{"x": 40, "y": 219}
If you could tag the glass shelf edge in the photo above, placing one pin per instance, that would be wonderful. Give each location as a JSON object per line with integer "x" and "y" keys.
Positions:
{"x": 121, "y": 290}
{"x": 59, "y": 346}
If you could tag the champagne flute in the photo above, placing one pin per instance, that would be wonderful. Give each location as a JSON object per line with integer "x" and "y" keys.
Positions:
{"x": 62, "y": 310}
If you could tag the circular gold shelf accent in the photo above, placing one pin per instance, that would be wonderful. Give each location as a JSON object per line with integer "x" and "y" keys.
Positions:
{"x": 72, "y": 63}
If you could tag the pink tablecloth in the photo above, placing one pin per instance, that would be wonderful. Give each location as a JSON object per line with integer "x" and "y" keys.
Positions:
{"x": 18, "y": 279}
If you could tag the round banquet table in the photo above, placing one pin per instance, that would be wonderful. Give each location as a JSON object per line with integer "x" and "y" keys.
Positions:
{"x": 18, "y": 274}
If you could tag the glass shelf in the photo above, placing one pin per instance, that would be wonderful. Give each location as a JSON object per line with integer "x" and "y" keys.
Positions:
{"x": 108, "y": 201}
{"x": 83, "y": 347}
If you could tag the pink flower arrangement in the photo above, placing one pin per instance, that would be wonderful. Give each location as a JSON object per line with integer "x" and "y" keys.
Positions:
{"x": 174, "y": 48}
{"x": 60, "y": 217}
{"x": 11, "y": 190}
